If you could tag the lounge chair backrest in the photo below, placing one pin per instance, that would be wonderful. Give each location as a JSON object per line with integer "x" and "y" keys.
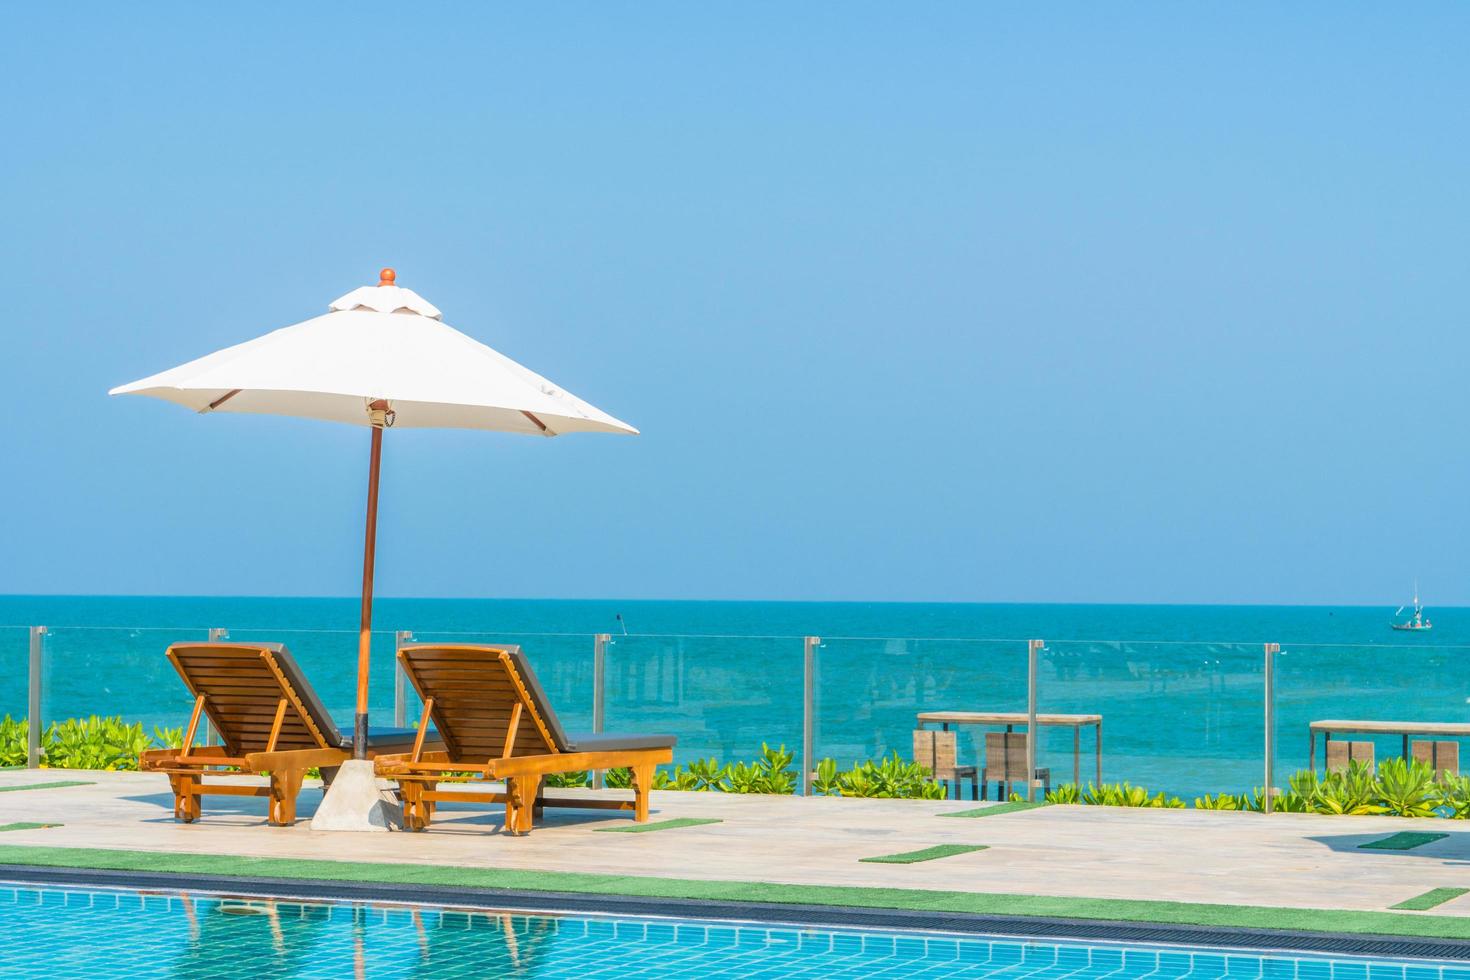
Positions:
{"x": 1005, "y": 755}
{"x": 243, "y": 685}
{"x": 475, "y": 690}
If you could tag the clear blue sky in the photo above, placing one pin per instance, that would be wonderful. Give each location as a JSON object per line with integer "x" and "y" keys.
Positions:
{"x": 1090, "y": 303}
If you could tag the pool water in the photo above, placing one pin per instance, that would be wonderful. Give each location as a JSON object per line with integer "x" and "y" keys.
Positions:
{"x": 104, "y": 935}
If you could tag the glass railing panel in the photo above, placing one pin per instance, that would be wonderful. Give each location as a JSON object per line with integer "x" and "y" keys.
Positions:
{"x": 114, "y": 671}
{"x": 1376, "y": 686}
{"x": 723, "y": 696}
{"x": 562, "y": 662}
{"x": 870, "y": 693}
{"x": 1183, "y": 718}
{"x": 15, "y": 652}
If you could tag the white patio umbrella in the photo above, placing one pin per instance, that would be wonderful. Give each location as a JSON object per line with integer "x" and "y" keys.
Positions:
{"x": 380, "y": 357}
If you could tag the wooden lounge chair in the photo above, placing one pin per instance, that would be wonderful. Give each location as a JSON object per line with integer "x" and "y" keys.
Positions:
{"x": 1342, "y": 754}
{"x": 938, "y": 752}
{"x": 496, "y": 723}
{"x": 1005, "y": 764}
{"x": 270, "y": 721}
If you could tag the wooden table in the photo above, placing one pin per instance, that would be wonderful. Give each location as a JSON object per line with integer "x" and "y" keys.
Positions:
{"x": 1010, "y": 719}
{"x": 1404, "y": 728}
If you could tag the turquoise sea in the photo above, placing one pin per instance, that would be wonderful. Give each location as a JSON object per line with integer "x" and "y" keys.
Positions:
{"x": 1180, "y": 687}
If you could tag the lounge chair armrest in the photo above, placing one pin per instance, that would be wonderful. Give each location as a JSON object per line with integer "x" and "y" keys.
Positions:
{"x": 157, "y": 758}
{"x": 530, "y": 765}
{"x": 400, "y": 765}
{"x": 295, "y": 759}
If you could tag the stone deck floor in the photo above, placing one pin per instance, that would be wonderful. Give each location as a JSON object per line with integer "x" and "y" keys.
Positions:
{"x": 1291, "y": 860}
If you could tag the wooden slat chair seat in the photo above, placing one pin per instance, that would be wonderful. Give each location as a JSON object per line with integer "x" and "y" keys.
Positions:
{"x": 496, "y": 723}
{"x": 270, "y": 722}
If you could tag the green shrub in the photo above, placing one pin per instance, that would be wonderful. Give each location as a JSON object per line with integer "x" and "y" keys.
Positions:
{"x": 1067, "y": 793}
{"x": 569, "y": 780}
{"x": 1126, "y": 794}
{"x": 771, "y": 774}
{"x": 891, "y": 778}
{"x": 825, "y": 781}
{"x": 13, "y": 736}
{"x": 95, "y": 743}
{"x": 1454, "y": 796}
{"x": 1225, "y": 801}
{"x": 1407, "y": 789}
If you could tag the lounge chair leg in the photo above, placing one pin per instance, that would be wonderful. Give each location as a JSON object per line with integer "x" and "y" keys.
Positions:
{"x": 184, "y": 800}
{"x": 408, "y": 795}
{"x": 285, "y": 786}
{"x": 642, "y": 784}
{"x": 329, "y": 773}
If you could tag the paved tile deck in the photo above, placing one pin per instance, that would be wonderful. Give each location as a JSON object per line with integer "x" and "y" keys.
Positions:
{"x": 1290, "y": 860}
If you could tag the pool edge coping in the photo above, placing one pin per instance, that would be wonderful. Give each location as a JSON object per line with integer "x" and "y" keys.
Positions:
{"x": 1122, "y": 920}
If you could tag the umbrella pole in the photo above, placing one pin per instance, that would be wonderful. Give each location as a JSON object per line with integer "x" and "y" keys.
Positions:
{"x": 365, "y": 627}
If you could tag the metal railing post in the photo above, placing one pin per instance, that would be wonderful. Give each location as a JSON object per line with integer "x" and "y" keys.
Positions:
{"x": 216, "y": 634}
{"x": 400, "y": 680}
{"x": 599, "y": 702}
{"x": 1032, "y": 647}
{"x": 808, "y": 711}
{"x": 1271, "y": 650}
{"x": 33, "y": 699}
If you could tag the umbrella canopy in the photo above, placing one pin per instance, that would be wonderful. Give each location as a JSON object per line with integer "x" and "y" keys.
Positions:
{"x": 377, "y": 342}
{"x": 381, "y": 357}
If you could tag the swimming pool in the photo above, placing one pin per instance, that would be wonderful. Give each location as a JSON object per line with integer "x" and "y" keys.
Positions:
{"x": 114, "y": 934}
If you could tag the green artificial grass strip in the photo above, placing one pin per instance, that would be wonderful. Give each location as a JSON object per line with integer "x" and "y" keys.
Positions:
{"x": 644, "y": 828}
{"x": 691, "y": 890}
{"x": 927, "y": 854}
{"x": 995, "y": 811}
{"x": 1404, "y": 840}
{"x": 26, "y": 826}
{"x": 56, "y": 785}
{"x": 1431, "y": 898}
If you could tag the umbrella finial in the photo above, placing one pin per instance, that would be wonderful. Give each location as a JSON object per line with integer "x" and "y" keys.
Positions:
{"x": 386, "y": 277}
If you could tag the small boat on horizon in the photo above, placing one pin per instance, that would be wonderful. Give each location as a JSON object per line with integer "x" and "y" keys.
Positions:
{"x": 1416, "y": 622}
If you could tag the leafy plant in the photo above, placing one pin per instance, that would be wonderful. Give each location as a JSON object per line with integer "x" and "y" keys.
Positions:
{"x": 825, "y": 780}
{"x": 1454, "y": 796}
{"x": 13, "y": 738}
{"x": 1066, "y": 793}
{"x": 1126, "y": 794}
{"x": 1351, "y": 792}
{"x": 618, "y": 778}
{"x": 569, "y": 780}
{"x": 891, "y": 778}
{"x": 1406, "y": 788}
{"x": 770, "y": 774}
{"x": 1225, "y": 801}
{"x": 678, "y": 778}
{"x": 168, "y": 738}
{"x": 95, "y": 743}
{"x": 708, "y": 774}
